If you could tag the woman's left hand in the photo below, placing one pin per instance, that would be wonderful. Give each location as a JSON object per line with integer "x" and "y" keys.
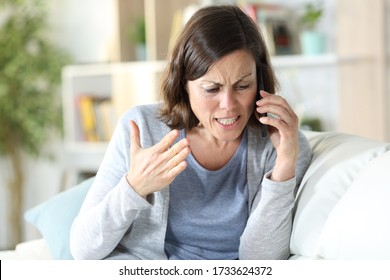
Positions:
{"x": 283, "y": 131}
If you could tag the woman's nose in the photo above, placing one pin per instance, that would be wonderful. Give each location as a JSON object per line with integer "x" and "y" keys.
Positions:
{"x": 228, "y": 100}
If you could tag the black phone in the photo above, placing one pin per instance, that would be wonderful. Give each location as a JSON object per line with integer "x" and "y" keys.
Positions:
{"x": 260, "y": 86}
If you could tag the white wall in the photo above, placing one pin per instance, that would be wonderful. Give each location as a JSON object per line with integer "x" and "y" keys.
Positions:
{"x": 84, "y": 28}
{"x": 312, "y": 91}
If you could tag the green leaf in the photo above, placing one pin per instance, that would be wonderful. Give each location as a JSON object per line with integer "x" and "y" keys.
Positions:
{"x": 311, "y": 15}
{"x": 30, "y": 75}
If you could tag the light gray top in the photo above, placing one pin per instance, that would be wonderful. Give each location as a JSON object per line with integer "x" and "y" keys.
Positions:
{"x": 115, "y": 222}
{"x": 208, "y": 209}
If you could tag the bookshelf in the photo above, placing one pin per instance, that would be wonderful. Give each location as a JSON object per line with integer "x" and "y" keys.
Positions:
{"x": 120, "y": 86}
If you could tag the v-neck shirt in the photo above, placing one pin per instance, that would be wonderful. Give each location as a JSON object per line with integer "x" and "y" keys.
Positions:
{"x": 208, "y": 209}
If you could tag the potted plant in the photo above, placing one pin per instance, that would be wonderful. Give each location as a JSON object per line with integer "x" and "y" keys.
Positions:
{"x": 312, "y": 40}
{"x": 311, "y": 123}
{"x": 30, "y": 73}
{"x": 137, "y": 36}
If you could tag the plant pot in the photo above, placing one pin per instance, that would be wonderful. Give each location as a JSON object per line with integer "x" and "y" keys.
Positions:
{"x": 312, "y": 42}
{"x": 140, "y": 52}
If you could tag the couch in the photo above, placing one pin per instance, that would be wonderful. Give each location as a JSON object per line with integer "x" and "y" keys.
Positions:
{"x": 342, "y": 206}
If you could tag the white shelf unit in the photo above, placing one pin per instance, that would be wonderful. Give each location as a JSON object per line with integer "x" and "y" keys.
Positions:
{"x": 125, "y": 84}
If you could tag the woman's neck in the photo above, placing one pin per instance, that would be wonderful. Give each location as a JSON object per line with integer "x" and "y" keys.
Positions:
{"x": 210, "y": 152}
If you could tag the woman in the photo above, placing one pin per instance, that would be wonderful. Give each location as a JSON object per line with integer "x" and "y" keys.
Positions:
{"x": 193, "y": 177}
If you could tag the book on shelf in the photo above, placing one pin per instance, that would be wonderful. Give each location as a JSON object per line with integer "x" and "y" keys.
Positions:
{"x": 97, "y": 118}
{"x": 87, "y": 118}
{"x": 106, "y": 119}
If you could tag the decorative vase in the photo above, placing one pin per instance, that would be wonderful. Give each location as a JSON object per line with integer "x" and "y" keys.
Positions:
{"x": 312, "y": 42}
{"x": 140, "y": 52}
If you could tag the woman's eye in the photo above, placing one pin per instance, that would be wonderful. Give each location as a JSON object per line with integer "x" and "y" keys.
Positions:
{"x": 211, "y": 90}
{"x": 242, "y": 87}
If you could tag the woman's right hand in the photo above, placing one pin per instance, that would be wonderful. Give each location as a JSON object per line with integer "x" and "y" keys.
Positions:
{"x": 153, "y": 168}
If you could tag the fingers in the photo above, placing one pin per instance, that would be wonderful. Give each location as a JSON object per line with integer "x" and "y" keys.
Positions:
{"x": 152, "y": 168}
{"x": 178, "y": 163}
{"x": 178, "y": 147}
{"x": 135, "y": 142}
{"x": 177, "y": 169}
{"x": 167, "y": 141}
{"x": 174, "y": 154}
{"x": 161, "y": 147}
{"x": 178, "y": 153}
{"x": 176, "y": 158}
{"x": 279, "y": 112}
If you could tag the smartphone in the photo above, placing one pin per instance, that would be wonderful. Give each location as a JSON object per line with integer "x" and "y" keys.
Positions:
{"x": 260, "y": 86}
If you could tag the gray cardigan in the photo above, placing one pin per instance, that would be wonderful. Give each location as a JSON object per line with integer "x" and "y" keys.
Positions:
{"x": 116, "y": 223}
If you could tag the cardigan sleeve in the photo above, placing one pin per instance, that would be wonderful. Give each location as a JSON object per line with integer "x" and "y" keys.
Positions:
{"x": 111, "y": 204}
{"x": 268, "y": 230}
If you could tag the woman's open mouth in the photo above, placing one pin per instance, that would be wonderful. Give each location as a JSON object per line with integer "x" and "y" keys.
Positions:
{"x": 227, "y": 121}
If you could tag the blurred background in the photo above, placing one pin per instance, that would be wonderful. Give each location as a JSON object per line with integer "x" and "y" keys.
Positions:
{"x": 69, "y": 69}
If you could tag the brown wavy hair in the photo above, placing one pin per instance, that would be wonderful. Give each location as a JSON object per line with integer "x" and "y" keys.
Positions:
{"x": 211, "y": 33}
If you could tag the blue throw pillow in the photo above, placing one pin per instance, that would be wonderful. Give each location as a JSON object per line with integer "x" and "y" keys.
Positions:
{"x": 54, "y": 218}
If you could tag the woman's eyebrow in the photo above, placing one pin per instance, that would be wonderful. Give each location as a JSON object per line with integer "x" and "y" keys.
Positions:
{"x": 219, "y": 84}
{"x": 211, "y": 83}
{"x": 242, "y": 78}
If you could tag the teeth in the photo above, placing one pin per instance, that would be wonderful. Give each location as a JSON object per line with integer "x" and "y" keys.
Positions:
{"x": 227, "y": 121}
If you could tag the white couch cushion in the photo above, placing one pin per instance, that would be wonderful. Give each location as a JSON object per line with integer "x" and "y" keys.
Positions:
{"x": 36, "y": 249}
{"x": 337, "y": 160}
{"x": 359, "y": 225}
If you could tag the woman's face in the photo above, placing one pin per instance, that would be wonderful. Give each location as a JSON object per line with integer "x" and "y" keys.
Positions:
{"x": 223, "y": 99}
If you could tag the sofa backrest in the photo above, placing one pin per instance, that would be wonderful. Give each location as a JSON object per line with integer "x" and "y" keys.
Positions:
{"x": 332, "y": 185}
